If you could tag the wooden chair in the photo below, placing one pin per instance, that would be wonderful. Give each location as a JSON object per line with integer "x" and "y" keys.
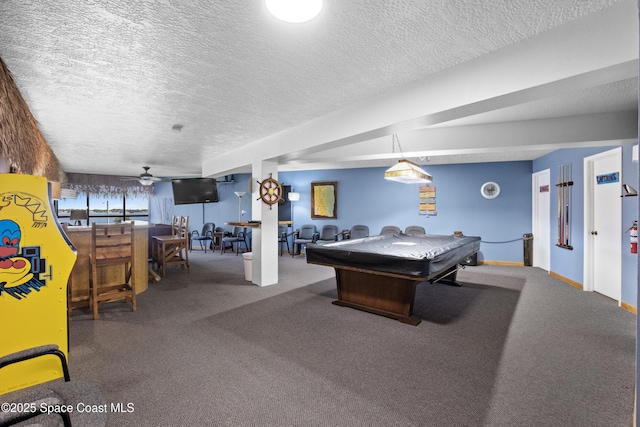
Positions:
{"x": 173, "y": 249}
{"x": 184, "y": 234}
{"x": 112, "y": 245}
{"x": 183, "y": 229}
{"x": 175, "y": 223}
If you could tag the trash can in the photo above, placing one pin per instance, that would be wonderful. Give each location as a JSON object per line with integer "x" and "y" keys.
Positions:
{"x": 528, "y": 249}
{"x": 247, "y": 256}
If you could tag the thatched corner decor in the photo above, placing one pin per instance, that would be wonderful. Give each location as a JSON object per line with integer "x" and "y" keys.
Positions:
{"x": 21, "y": 141}
{"x": 106, "y": 185}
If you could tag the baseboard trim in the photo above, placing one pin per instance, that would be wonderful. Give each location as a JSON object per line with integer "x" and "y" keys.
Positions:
{"x": 566, "y": 280}
{"x": 626, "y": 306}
{"x": 511, "y": 263}
{"x": 629, "y": 307}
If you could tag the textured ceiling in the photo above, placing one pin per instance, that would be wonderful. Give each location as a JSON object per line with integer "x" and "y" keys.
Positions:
{"x": 107, "y": 79}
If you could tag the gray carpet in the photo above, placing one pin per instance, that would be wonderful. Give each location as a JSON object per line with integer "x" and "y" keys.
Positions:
{"x": 512, "y": 347}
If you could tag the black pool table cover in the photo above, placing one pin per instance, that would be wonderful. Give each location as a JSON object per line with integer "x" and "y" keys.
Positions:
{"x": 419, "y": 256}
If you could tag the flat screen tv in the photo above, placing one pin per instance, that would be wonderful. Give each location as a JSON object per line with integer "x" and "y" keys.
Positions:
{"x": 194, "y": 190}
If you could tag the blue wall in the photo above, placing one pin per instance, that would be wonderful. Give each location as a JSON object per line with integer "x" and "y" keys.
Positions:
{"x": 365, "y": 197}
{"x": 569, "y": 263}
{"x": 225, "y": 210}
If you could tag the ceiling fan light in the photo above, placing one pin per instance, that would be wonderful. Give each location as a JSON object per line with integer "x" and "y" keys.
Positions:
{"x": 407, "y": 172}
{"x": 294, "y": 11}
{"x": 146, "y": 181}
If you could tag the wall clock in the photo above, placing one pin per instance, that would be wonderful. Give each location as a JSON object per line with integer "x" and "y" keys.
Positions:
{"x": 490, "y": 190}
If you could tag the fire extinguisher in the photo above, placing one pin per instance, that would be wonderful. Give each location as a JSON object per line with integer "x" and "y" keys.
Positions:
{"x": 633, "y": 237}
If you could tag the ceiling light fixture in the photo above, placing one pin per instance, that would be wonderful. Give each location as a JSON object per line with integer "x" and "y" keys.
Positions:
{"x": 405, "y": 171}
{"x": 145, "y": 178}
{"x": 294, "y": 11}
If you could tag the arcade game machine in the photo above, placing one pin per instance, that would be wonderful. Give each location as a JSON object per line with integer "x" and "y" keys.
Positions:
{"x": 36, "y": 260}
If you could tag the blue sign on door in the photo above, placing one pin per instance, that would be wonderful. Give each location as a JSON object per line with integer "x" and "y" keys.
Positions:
{"x": 608, "y": 178}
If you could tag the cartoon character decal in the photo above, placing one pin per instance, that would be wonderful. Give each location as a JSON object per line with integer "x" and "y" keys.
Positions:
{"x": 20, "y": 267}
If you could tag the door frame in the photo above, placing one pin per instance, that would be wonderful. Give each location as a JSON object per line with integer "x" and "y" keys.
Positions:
{"x": 589, "y": 187}
{"x": 537, "y": 220}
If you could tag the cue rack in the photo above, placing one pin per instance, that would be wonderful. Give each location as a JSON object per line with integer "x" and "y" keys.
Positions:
{"x": 564, "y": 207}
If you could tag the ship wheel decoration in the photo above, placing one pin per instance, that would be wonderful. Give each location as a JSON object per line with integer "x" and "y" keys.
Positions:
{"x": 270, "y": 191}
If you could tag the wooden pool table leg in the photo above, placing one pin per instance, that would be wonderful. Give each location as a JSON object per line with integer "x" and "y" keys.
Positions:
{"x": 449, "y": 276}
{"x": 390, "y": 296}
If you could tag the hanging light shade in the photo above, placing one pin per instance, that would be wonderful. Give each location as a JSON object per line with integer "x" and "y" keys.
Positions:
{"x": 294, "y": 197}
{"x": 294, "y": 11}
{"x": 407, "y": 172}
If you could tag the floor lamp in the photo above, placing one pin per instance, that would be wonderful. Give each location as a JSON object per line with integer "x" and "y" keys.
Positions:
{"x": 293, "y": 197}
{"x": 240, "y": 194}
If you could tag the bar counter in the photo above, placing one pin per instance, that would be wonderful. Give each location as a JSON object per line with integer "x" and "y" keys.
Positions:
{"x": 81, "y": 238}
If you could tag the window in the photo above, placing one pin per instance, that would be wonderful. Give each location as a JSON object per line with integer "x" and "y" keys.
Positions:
{"x": 106, "y": 210}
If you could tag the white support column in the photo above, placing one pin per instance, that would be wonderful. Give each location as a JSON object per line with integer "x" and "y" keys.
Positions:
{"x": 265, "y": 238}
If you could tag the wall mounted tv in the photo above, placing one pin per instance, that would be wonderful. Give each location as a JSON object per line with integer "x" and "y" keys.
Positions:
{"x": 194, "y": 190}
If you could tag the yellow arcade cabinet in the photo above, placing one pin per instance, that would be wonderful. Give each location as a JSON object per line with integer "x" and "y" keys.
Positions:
{"x": 35, "y": 263}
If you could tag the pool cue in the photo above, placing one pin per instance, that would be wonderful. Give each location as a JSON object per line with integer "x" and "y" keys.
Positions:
{"x": 566, "y": 203}
{"x": 562, "y": 207}
{"x": 559, "y": 211}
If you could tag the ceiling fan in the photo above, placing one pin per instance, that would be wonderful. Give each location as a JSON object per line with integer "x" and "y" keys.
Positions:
{"x": 145, "y": 178}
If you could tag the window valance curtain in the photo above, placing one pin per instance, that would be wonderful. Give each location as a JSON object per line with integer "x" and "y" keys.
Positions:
{"x": 106, "y": 185}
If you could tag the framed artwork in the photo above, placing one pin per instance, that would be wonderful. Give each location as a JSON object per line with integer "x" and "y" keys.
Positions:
{"x": 324, "y": 200}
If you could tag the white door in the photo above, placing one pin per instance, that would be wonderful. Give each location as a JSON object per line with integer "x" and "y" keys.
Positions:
{"x": 603, "y": 223}
{"x": 541, "y": 219}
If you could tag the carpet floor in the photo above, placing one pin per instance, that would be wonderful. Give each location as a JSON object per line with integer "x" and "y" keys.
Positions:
{"x": 511, "y": 347}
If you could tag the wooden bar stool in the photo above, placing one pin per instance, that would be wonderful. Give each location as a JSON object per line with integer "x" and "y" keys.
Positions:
{"x": 113, "y": 246}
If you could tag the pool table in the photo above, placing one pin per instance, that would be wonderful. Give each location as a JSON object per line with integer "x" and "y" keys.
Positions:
{"x": 379, "y": 274}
